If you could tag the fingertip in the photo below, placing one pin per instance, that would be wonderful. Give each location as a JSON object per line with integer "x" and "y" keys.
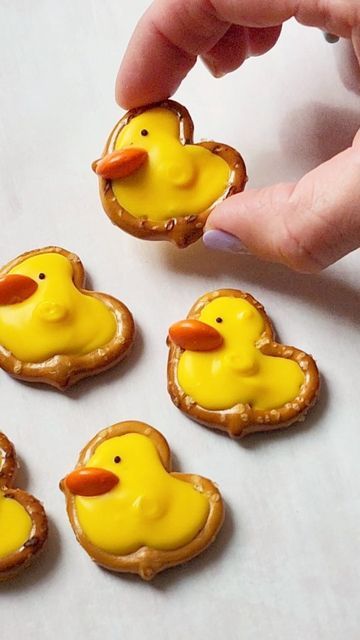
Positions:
{"x": 260, "y": 41}
{"x": 238, "y": 44}
{"x": 260, "y": 222}
{"x": 152, "y": 67}
{"x": 122, "y": 93}
{"x": 130, "y": 94}
{"x": 231, "y": 215}
{"x": 212, "y": 66}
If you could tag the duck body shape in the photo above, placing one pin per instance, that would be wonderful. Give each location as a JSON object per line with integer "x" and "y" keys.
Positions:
{"x": 45, "y": 314}
{"x": 176, "y": 179}
{"x": 148, "y": 507}
{"x": 237, "y": 372}
{"x": 145, "y": 514}
{"x": 155, "y": 182}
{"x": 23, "y": 521}
{"x": 247, "y": 377}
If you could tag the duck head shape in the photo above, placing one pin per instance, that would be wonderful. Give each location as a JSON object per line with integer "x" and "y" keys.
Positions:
{"x": 45, "y": 312}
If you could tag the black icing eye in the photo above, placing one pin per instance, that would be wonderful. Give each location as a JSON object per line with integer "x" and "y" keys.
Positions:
{"x": 117, "y": 459}
{"x": 144, "y": 132}
{"x": 219, "y": 319}
{"x": 42, "y": 276}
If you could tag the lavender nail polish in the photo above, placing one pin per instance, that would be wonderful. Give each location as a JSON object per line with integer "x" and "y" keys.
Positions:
{"x": 222, "y": 241}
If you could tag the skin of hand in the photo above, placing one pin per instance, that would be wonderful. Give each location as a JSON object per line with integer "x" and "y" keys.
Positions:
{"x": 306, "y": 225}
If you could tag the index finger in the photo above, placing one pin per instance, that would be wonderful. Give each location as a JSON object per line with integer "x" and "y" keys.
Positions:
{"x": 172, "y": 33}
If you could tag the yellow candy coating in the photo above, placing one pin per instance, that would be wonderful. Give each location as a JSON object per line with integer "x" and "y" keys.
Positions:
{"x": 237, "y": 372}
{"x": 15, "y": 525}
{"x": 148, "y": 507}
{"x": 177, "y": 180}
{"x": 57, "y": 319}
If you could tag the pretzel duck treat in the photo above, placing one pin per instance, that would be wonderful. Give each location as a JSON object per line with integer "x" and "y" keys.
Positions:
{"x": 52, "y": 330}
{"x": 130, "y": 512}
{"x": 23, "y": 522}
{"x": 156, "y": 183}
{"x": 226, "y": 371}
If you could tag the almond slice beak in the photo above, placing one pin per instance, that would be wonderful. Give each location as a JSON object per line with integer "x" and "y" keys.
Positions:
{"x": 194, "y": 335}
{"x": 121, "y": 163}
{"x": 90, "y": 481}
{"x": 15, "y": 288}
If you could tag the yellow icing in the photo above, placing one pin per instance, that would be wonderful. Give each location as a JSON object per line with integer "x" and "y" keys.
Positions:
{"x": 176, "y": 180}
{"x": 148, "y": 507}
{"x": 15, "y": 526}
{"x": 57, "y": 319}
{"x": 237, "y": 372}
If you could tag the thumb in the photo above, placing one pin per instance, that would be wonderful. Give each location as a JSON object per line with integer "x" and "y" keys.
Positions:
{"x": 306, "y": 225}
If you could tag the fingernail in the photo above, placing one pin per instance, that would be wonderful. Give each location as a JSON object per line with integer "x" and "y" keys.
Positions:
{"x": 331, "y": 37}
{"x": 222, "y": 241}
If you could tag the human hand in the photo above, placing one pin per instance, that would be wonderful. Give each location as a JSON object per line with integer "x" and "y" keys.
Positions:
{"x": 306, "y": 225}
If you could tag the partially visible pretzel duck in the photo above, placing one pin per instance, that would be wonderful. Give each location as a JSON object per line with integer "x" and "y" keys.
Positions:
{"x": 23, "y": 522}
{"x": 155, "y": 183}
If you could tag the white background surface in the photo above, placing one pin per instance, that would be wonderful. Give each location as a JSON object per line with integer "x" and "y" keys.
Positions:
{"x": 286, "y": 564}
